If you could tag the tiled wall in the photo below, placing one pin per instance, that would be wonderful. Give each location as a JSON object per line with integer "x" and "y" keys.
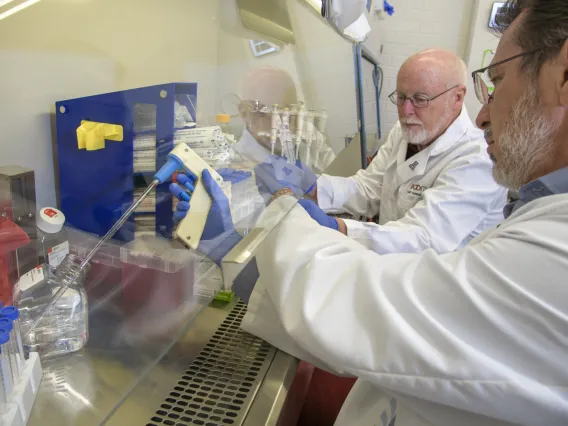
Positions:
{"x": 417, "y": 25}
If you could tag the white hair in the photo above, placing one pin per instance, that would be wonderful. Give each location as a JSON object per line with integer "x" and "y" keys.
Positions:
{"x": 461, "y": 71}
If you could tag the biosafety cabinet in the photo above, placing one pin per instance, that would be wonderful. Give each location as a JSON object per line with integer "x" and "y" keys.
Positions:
{"x": 108, "y": 148}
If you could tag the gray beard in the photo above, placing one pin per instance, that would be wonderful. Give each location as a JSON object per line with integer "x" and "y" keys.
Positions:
{"x": 525, "y": 143}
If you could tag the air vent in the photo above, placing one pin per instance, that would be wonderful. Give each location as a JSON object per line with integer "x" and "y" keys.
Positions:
{"x": 260, "y": 48}
{"x": 219, "y": 387}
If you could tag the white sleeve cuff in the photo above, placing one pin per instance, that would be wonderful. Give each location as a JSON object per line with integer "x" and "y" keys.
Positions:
{"x": 333, "y": 193}
{"x": 359, "y": 232}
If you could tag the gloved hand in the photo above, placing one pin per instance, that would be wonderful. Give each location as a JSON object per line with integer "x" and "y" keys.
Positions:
{"x": 219, "y": 235}
{"x": 319, "y": 215}
{"x": 277, "y": 173}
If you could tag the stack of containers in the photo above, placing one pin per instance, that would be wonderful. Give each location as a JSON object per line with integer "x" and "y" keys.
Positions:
{"x": 144, "y": 152}
{"x": 104, "y": 278}
{"x": 158, "y": 277}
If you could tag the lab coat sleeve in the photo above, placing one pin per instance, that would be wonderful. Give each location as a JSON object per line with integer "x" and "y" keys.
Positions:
{"x": 477, "y": 329}
{"x": 462, "y": 197}
{"x": 358, "y": 195}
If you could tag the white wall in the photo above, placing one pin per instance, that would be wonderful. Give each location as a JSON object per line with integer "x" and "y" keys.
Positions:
{"x": 57, "y": 50}
{"x": 481, "y": 39}
{"x": 325, "y": 65}
{"x": 417, "y": 25}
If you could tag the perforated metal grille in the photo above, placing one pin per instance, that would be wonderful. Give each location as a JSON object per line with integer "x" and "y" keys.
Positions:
{"x": 219, "y": 386}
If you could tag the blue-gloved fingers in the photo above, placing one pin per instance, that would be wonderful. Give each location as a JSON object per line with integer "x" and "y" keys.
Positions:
{"x": 212, "y": 187}
{"x": 183, "y": 206}
{"x": 311, "y": 188}
{"x": 179, "y": 192}
{"x": 181, "y": 211}
{"x": 178, "y": 216}
{"x": 188, "y": 181}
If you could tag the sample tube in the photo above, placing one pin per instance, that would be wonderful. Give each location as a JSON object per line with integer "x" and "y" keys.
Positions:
{"x": 12, "y": 313}
{"x": 5, "y": 370}
{"x": 3, "y": 397}
{"x": 11, "y": 348}
{"x": 274, "y": 127}
{"x": 311, "y": 131}
{"x": 300, "y": 129}
{"x": 322, "y": 122}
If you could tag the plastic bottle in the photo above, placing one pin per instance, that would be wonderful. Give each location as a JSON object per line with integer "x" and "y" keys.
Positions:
{"x": 53, "y": 242}
{"x": 64, "y": 327}
{"x": 224, "y": 122}
{"x": 224, "y": 153}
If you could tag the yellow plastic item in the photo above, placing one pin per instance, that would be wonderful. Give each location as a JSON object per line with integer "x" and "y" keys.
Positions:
{"x": 92, "y": 135}
{"x": 223, "y": 118}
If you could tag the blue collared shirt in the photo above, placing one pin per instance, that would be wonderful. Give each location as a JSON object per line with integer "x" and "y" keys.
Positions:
{"x": 550, "y": 184}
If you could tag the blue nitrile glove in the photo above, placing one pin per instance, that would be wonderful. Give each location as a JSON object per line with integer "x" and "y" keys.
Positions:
{"x": 388, "y": 8}
{"x": 219, "y": 235}
{"x": 319, "y": 215}
{"x": 277, "y": 173}
{"x": 233, "y": 176}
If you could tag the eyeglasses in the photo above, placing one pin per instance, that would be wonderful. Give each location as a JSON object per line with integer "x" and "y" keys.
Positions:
{"x": 418, "y": 100}
{"x": 482, "y": 78}
{"x": 253, "y": 106}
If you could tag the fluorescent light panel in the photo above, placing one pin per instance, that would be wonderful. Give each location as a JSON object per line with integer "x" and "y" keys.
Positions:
{"x": 6, "y": 10}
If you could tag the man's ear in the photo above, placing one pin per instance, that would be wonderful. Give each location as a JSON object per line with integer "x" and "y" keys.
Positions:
{"x": 563, "y": 86}
{"x": 460, "y": 93}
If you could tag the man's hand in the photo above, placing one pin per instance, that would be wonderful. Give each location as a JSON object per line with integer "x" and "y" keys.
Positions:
{"x": 219, "y": 235}
{"x": 277, "y": 173}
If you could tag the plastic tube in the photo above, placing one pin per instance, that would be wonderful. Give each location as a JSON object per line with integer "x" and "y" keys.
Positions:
{"x": 3, "y": 396}
{"x": 274, "y": 126}
{"x": 5, "y": 370}
{"x": 310, "y": 129}
{"x": 12, "y": 313}
{"x": 285, "y": 136}
{"x": 11, "y": 346}
{"x": 300, "y": 129}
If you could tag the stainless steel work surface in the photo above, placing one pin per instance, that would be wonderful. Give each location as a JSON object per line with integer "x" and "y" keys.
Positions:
{"x": 214, "y": 374}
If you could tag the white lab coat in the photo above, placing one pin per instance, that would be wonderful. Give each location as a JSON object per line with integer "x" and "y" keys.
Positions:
{"x": 440, "y": 198}
{"x": 250, "y": 150}
{"x": 476, "y": 337}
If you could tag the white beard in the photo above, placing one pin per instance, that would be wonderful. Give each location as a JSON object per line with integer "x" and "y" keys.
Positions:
{"x": 419, "y": 137}
{"x": 525, "y": 143}
{"x": 422, "y": 136}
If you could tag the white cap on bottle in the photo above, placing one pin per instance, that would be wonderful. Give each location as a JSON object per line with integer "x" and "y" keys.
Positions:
{"x": 50, "y": 220}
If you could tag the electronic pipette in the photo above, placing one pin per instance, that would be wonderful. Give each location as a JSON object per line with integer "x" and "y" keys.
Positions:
{"x": 190, "y": 228}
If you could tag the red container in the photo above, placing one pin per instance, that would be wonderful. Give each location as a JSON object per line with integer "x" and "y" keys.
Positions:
{"x": 104, "y": 279}
{"x": 12, "y": 237}
{"x": 158, "y": 277}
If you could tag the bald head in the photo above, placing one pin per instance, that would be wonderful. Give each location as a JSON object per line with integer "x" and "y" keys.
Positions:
{"x": 437, "y": 67}
{"x": 269, "y": 86}
{"x": 437, "y": 77}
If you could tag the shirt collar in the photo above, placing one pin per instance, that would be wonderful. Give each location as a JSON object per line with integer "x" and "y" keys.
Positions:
{"x": 416, "y": 165}
{"x": 550, "y": 184}
{"x": 461, "y": 126}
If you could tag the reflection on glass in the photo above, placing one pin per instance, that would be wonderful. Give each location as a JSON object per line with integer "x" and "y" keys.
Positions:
{"x": 142, "y": 292}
